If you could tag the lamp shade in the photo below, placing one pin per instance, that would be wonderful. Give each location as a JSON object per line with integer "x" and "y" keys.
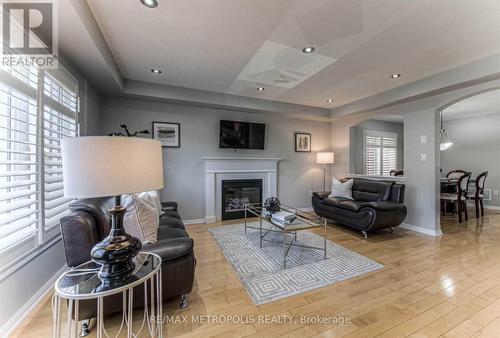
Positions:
{"x": 325, "y": 158}
{"x": 99, "y": 166}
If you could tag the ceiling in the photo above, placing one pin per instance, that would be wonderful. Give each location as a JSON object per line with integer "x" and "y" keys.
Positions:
{"x": 478, "y": 105}
{"x": 233, "y": 47}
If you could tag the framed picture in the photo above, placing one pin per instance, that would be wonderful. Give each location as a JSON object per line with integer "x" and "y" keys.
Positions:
{"x": 302, "y": 142}
{"x": 169, "y": 134}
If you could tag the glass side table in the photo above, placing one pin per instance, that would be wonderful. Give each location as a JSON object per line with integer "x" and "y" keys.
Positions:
{"x": 82, "y": 283}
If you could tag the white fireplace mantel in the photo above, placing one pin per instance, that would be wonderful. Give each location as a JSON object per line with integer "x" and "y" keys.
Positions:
{"x": 218, "y": 169}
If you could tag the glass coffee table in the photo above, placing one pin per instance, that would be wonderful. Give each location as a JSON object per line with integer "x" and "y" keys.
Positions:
{"x": 82, "y": 283}
{"x": 303, "y": 221}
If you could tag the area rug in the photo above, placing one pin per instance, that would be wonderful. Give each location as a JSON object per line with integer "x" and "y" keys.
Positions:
{"x": 261, "y": 269}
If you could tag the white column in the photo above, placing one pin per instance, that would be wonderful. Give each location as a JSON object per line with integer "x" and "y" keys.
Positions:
{"x": 210, "y": 198}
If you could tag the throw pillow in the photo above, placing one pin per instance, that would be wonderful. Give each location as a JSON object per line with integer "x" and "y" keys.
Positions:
{"x": 141, "y": 219}
{"x": 340, "y": 189}
{"x": 155, "y": 197}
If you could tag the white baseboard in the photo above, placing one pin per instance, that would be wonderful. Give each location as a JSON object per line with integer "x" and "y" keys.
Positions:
{"x": 210, "y": 219}
{"x": 19, "y": 316}
{"x": 422, "y": 230}
{"x": 194, "y": 221}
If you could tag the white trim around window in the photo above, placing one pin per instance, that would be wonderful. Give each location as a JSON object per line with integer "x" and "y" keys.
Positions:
{"x": 380, "y": 152}
{"x": 37, "y": 109}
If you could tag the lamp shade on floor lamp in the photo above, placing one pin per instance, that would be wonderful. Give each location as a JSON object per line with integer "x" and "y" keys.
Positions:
{"x": 101, "y": 166}
{"x": 325, "y": 158}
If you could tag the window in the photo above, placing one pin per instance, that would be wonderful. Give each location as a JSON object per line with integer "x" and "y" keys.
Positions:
{"x": 31, "y": 186}
{"x": 380, "y": 152}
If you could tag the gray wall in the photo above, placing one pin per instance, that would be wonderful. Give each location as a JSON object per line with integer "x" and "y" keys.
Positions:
{"x": 356, "y": 147}
{"x": 183, "y": 167}
{"x": 476, "y": 142}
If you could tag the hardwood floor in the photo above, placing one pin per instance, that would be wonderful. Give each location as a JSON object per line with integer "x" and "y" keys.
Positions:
{"x": 446, "y": 286}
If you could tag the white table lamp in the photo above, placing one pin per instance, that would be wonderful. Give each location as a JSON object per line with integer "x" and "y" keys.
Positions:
{"x": 99, "y": 166}
{"x": 325, "y": 158}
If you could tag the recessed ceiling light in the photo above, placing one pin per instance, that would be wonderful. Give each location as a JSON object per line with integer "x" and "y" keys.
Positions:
{"x": 329, "y": 100}
{"x": 395, "y": 76}
{"x": 308, "y": 50}
{"x": 260, "y": 89}
{"x": 156, "y": 71}
{"x": 150, "y": 3}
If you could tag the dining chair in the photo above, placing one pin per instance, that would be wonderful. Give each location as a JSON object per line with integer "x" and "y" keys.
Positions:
{"x": 479, "y": 193}
{"x": 456, "y": 174}
{"x": 459, "y": 198}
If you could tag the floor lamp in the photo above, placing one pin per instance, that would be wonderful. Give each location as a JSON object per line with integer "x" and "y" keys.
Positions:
{"x": 325, "y": 158}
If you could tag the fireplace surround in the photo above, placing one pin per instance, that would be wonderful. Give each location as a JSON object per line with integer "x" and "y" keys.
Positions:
{"x": 218, "y": 169}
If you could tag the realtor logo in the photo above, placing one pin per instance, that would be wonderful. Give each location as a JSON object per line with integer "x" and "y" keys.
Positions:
{"x": 29, "y": 33}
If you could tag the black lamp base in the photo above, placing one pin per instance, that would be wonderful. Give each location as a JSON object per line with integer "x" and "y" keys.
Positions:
{"x": 115, "y": 252}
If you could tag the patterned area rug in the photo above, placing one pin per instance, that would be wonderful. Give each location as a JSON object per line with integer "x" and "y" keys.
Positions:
{"x": 261, "y": 269}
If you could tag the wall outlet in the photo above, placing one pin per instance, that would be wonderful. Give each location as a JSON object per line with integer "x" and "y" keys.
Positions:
{"x": 495, "y": 192}
{"x": 310, "y": 192}
{"x": 423, "y": 157}
{"x": 423, "y": 139}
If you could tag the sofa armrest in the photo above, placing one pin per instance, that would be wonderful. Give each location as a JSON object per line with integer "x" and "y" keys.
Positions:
{"x": 79, "y": 235}
{"x": 172, "y": 248}
{"x": 321, "y": 194}
{"x": 165, "y": 206}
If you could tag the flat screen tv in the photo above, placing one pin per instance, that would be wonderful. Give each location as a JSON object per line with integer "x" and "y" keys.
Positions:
{"x": 241, "y": 135}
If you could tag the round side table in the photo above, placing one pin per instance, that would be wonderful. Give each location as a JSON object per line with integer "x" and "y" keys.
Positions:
{"x": 82, "y": 283}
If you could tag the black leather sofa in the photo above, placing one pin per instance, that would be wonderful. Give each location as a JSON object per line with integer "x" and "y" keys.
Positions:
{"x": 88, "y": 223}
{"x": 375, "y": 205}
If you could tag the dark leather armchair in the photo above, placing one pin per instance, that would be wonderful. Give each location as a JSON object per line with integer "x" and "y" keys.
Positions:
{"x": 88, "y": 223}
{"x": 375, "y": 205}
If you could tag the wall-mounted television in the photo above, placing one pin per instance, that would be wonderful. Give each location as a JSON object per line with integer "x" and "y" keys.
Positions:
{"x": 241, "y": 135}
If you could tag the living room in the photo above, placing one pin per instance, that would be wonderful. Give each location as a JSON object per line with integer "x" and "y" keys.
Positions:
{"x": 256, "y": 168}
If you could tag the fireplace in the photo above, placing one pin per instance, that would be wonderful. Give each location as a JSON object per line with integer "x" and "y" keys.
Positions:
{"x": 236, "y": 193}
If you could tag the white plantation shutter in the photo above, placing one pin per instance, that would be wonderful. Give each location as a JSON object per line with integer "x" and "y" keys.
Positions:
{"x": 59, "y": 121}
{"x": 31, "y": 185}
{"x": 18, "y": 172}
{"x": 380, "y": 152}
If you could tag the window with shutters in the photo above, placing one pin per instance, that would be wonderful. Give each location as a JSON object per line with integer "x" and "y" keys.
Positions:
{"x": 37, "y": 109}
{"x": 379, "y": 152}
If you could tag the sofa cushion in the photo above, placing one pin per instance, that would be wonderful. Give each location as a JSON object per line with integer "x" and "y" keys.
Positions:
{"x": 171, "y": 214}
{"x": 371, "y": 190}
{"x": 382, "y": 205}
{"x": 321, "y": 194}
{"x": 169, "y": 249}
{"x": 342, "y": 202}
{"x": 169, "y": 233}
{"x": 171, "y": 222}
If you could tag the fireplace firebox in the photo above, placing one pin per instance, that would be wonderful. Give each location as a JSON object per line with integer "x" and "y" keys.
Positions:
{"x": 236, "y": 193}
